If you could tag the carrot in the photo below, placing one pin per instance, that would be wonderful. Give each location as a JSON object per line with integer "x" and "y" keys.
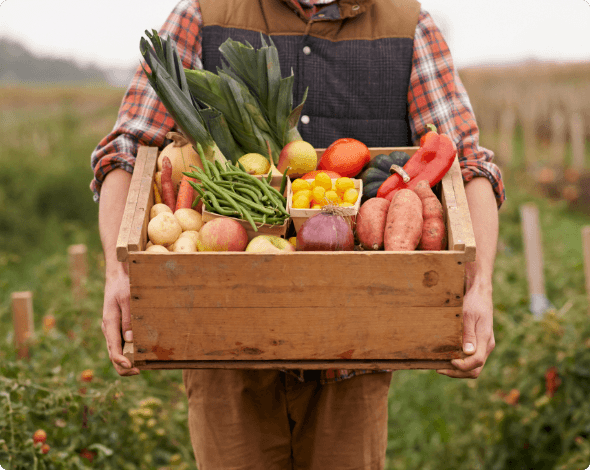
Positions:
{"x": 157, "y": 197}
{"x": 433, "y": 230}
{"x": 186, "y": 193}
{"x": 168, "y": 195}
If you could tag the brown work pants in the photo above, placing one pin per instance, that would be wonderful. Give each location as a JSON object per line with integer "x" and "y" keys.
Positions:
{"x": 267, "y": 420}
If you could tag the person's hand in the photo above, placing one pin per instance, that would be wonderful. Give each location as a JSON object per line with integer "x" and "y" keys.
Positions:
{"x": 478, "y": 333}
{"x": 116, "y": 318}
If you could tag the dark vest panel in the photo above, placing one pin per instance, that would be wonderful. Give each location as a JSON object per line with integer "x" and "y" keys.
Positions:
{"x": 356, "y": 87}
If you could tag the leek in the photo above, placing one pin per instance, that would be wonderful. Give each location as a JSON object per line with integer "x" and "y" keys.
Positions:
{"x": 260, "y": 70}
{"x": 168, "y": 81}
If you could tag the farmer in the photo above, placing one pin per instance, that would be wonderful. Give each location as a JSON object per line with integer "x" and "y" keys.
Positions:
{"x": 378, "y": 71}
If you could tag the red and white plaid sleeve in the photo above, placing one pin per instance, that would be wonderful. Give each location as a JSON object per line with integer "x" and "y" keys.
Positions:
{"x": 143, "y": 119}
{"x": 436, "y": 95}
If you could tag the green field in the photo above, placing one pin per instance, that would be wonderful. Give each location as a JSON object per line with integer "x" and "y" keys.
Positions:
{"x": 435, "y": 423}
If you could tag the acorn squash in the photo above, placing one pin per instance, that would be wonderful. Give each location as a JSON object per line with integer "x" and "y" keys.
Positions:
{"x": 379, "y": 169}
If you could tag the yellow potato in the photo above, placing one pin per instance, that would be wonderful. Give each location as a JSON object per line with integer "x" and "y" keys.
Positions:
{"x": 148, "y": 244}
{"x": 164, "y": 229}
{"x": 184, "y": 245}
{"x": 157, "y": 249}
{"x": 158, "y": 209}
{"x": 192, "y": 234}
{"x": 189, "y": 219}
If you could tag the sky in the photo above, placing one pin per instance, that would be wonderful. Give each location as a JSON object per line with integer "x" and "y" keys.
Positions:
{"x": 107, "y": 32}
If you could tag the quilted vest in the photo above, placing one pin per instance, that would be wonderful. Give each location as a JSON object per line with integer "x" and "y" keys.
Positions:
{"x": 354, "y": 56}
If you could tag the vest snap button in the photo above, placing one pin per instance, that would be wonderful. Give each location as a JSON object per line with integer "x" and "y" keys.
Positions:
{"x": 307, "y": 50}
{"x": 305, "y": 119}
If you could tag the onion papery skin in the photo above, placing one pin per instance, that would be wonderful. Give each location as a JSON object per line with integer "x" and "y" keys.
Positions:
{"x": 325, "y": 231}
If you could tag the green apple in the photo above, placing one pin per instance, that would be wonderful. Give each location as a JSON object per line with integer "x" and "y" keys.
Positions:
{"x": 269, "y": 244}
{"x": 255, "y": 163}
{"x": 299, "y": 156}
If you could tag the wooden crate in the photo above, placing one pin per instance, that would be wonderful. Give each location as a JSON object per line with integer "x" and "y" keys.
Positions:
{"x": 305, "y": 310}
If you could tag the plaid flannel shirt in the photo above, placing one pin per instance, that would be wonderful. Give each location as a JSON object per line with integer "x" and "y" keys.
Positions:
{"x": 435, "y": 95}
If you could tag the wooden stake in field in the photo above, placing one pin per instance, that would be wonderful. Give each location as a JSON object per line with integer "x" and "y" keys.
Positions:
{"x": 533, "y": 250}
{"x": 78, "y": 270}
{"x": 578, "y": 141}
{"x": 22, "y": 319}
{"x": 586, "y": 247}
{"x": 558, "y": 138}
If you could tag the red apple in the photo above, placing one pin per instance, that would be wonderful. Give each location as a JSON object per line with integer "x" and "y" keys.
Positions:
{"x": 222, "y": 234}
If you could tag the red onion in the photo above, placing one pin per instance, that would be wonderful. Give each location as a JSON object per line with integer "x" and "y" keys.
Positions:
{"x": 326, "y": 231}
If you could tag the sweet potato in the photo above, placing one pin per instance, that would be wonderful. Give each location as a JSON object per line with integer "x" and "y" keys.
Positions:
{"x": 403, "y": 227}
{"x": 370, "y": 223}
{"x": 434, "y": 234}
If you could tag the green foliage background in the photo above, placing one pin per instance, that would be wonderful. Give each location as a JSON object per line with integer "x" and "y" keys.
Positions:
{"x": 435, "y": 422}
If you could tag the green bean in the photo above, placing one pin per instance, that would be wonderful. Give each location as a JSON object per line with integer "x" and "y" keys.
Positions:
{"x": 251, "y": 220}
{"x": 214, "y": 171}
{"x": 203, "y": 159}
{"x": 220, "y": 167}
{"x": 236, "y": 185}
{"x": 284, "y": 181}
{"x": 208, "y": 205}
{"x": 197, "y": 188}
{"x": 267, "y": 189}
{"x": 222, "y": 193}
{"x": 257, "y": 206}
{"x": 242, "y": 167}
{"x": 277, "y": 193}
{"x": 255, "y": 197}
{"x": 196, "y": 201}
{"x": 270, "y": 220}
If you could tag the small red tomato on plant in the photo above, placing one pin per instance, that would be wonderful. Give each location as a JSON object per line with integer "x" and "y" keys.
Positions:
{"x": 87, "y": 375}
{"x": 48, "y": 322}
{"x": 39, "y": 436}
{"x": 346, "y": 157}
{"x": 88, "y": 454}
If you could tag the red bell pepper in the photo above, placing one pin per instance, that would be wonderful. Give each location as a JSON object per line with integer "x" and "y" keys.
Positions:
{"x": 431, "y": 162}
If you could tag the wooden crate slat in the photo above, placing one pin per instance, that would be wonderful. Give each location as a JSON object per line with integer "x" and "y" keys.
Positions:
{"x": 453, "y": 219}
{"x": 467, "y": 239}
{"x": 138, "y": 233}
{"x": 130, "y": 205}
{"x": 306, "y": 365}
{"x": 307, "y": 333}
{"x": 247, "y": 280}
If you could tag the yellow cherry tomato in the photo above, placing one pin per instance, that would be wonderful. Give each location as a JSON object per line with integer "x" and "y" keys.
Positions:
{"x": 322, "y": 179}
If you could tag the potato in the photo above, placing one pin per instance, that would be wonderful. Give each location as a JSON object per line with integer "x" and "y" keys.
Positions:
{"x": 164, "y": 229}
{"x": 403, "y": 228}
{"x": 370, "y": 223}
{"x": 158, "y": 209}
{"x": 192, "y": 234}
{"x": 189, "y": 219}
{"x": 156, "y": 249}
{"x": 184, "y": 245}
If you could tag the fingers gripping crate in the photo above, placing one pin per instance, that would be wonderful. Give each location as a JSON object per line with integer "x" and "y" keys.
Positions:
{"x": 304, "y": 310}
